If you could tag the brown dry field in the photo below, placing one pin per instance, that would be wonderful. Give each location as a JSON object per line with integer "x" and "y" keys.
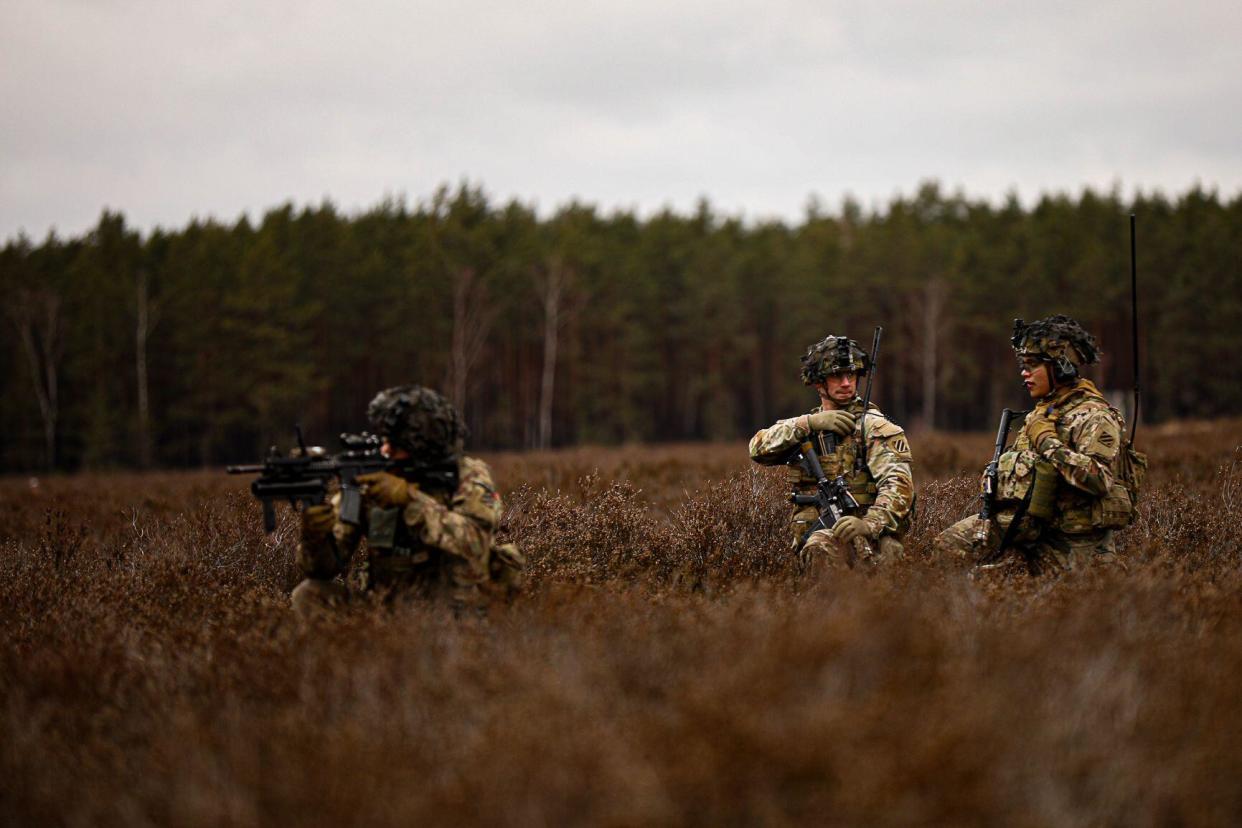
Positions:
{"x": 665, "y": 666}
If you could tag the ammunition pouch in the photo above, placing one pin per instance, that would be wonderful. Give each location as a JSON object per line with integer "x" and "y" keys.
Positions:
{"x": 1114, "y": 510}
{"x": 1018, "y": 474}
{"x": 1015, "y": 475}
{"x": 1043, "y": 492}
{"x": 1117, "y": 509}
{"x": 863, "y": 488}
{"x": 389, "y": 545}
{"x": 382, "y": 528}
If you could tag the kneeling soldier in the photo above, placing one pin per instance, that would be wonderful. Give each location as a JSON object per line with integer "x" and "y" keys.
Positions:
{"x": 883, "y": 486}
{"x": 428, "y": 535}
{"x": 1061, "y": 488}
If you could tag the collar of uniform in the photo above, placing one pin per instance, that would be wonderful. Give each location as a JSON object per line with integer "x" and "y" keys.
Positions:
{"x": 1058, "y": 398}
{"x": 855, "y": 406}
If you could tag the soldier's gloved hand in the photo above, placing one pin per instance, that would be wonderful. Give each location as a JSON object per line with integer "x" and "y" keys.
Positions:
{"x": 317, "y": 521}
{"x": 838, "y": 422}
{"x": 385, "y": 490}
{"x": 1040, "y": 429}
{"x": 850, "y": 528}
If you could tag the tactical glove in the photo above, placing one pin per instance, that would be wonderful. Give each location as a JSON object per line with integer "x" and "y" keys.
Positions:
{"x": 385, "y": 490}
{"x": 850, "y": 528}
{"x": 317, "y": 521}
{"x": 838, "y": 422}
{"x": 1039, "y": 430}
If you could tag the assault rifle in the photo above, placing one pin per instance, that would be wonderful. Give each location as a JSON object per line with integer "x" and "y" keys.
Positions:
{"x": 987, "y": 500}
{"x": 832, "y": 498}
{"x": 987, "y": 504}
{"x": 860, "y": 462}
{"x": 304, "y": 476}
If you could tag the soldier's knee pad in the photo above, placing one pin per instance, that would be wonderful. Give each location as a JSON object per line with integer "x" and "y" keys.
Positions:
{"x": 822, "y": 550}
{"x": 945, "y": 545}
{"x": 961, "y": 541}
{"x": 315, "y": 595}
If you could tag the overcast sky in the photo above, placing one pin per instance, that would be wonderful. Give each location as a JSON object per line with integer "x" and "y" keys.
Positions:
{"x": 167, "y": 111}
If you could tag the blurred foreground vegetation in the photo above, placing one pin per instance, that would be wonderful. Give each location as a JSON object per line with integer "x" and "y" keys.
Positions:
{"x": 666, "y": 665}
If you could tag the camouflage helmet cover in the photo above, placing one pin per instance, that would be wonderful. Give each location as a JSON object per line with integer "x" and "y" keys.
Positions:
{"x": 833, "y": 355}
{"x": 1057, "y": 339}
{"x": 419, "y": 420}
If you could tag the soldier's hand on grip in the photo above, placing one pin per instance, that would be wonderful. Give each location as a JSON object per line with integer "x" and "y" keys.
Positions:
{"x": 317, "y": 521}
{"x": 385, "y": 490}
{"x": 838, "y": 422}
{"x": 850, "y": 528}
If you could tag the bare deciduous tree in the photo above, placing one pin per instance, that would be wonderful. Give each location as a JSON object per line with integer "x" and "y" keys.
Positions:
{"x": 935, "y": 297}
{"x": 472, "y": 321}
{"x": 147, "y": 317}
{"x": 36, "y": 315}
{"x": 552, "y": 282}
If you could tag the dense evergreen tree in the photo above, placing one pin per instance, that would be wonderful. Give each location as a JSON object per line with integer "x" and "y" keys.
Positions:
{"x": 205, "y": 344}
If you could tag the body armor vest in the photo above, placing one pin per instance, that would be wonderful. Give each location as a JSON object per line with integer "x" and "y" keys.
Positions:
{"x": 392, "y": 547}
{"x": 1074, "y": 511}
{"x": 838, "y": 457}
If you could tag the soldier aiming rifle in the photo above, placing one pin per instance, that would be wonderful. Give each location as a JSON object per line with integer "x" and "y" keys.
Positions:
{"x": 427, "y": 512}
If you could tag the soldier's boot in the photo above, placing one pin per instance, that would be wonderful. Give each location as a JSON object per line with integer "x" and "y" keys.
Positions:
{"x": 315, "y": 595}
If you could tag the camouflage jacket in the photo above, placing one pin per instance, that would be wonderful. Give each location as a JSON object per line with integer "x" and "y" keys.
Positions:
{"x": 884, "y": 487}
{"x": 1084, "y": 453}
{"x": 435, "y": 534}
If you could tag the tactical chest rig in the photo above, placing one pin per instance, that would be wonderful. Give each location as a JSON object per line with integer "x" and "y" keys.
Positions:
{"x": 392, "y": 547}
{"x": 838, "y": 458}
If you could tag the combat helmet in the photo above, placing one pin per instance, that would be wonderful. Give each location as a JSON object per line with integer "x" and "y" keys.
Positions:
{"x": 419, "y": 420}
{"x": 833, "y": 355}
{"x": 1059, "y": 340}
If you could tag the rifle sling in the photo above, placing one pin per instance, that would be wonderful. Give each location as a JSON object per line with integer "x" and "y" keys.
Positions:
{"x": 1012, "y": 531}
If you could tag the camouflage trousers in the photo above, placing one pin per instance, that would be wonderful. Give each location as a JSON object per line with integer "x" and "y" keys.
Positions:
{"x": 394, "y": 579}
{"x": 823, "y": 551}
{"x": 969, "y": 540}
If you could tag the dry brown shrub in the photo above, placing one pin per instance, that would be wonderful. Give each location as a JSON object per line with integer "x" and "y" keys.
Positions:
{"x": 666, "y": 665}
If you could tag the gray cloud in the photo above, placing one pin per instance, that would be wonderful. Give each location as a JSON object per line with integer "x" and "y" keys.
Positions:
{"x": 166, "y": 111}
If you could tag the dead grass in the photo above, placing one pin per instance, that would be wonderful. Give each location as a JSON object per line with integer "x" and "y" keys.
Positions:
{"x": 666, "y": 665}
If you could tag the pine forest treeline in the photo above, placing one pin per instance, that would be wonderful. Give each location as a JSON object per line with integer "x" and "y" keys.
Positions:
{"x": 204, "y": 345}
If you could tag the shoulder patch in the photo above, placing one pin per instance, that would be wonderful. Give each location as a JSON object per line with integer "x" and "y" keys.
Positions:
{"x": 899, "y": 444}
{"x": 1101, "y": 435}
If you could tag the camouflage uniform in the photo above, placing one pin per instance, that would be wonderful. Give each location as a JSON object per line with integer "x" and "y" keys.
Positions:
{"x": 884, "y": 487}
{"x": 1087, "y": 500}
{"x": 439, "y": 544}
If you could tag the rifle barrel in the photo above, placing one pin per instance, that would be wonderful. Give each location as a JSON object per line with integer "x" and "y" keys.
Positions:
{"x": 861, "y": 460}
